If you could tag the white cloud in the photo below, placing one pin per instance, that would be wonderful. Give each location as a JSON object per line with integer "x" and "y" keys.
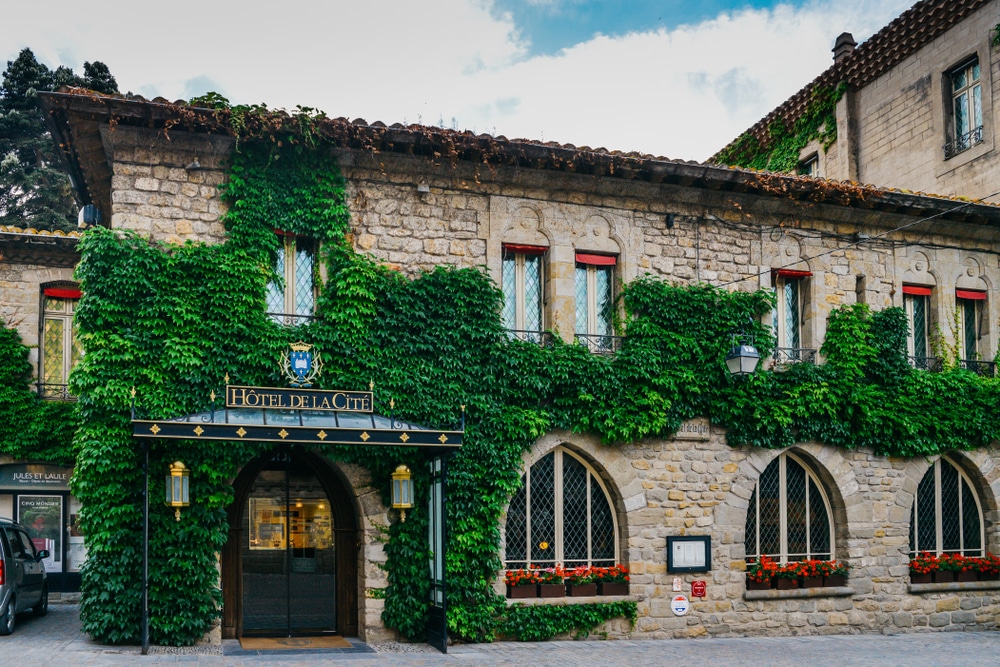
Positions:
{"x": 683, "y": 93}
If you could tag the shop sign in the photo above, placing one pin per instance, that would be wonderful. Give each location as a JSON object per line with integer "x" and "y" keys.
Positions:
{"x": 277, "y": 398}
{"x": 34, "y": 476}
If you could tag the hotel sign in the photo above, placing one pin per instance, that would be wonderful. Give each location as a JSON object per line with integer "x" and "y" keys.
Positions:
{"x": 277, "y": 398}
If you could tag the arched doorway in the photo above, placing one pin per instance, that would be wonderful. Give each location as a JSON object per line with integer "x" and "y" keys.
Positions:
{"x": 290, "y": 564}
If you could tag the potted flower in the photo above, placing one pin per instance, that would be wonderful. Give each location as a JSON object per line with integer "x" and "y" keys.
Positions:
{"x": 836, "y": 573}
{"x": 551, "y": 583}
{"x": 521, "y": 583}
{"x": 989, "y": 567}
{"x": 948, "y": 567}
{"x": 813, "y": 572}
{"x": 787, "y": 576}
{"x": 611, "y": 580}
{"x": 922, "y": 568}
{"x": 580, "y": 581}
{"x": 760, "y": 574}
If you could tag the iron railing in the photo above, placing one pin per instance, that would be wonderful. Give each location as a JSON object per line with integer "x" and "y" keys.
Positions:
{"x": 600, "y": 344}
{"x": 541, "y": 338}
{"x": 932, "y": 364}
{"x": 55, "y": 392}
{"x": 793, "y": 355}
{"x": 984, "y": 368}
{"x": 289, "y": 320}
{"x": 963, "y": 142}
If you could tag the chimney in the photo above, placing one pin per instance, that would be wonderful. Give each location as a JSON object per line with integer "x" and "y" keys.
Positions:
{"x": 843, "y": 47}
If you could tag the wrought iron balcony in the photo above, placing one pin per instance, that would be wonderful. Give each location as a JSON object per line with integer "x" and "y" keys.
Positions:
{"x": 964, "y": 142}
{"x": 932, "y": 364}
{"x": 289, "y": 320}
{"x": 55, "y": 392}
{"x": 793, "y": 355}
{"x": 984, "y": 368}
{"x": 542, "y": 338}
{"x": 600, "y": 344}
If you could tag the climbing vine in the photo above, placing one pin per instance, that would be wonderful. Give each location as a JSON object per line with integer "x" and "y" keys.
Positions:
{"x": 780, "y": 151}
{"x": 173, "y": 320}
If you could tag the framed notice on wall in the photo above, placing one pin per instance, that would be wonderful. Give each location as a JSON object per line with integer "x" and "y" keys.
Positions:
{"x": 689, "y": 553}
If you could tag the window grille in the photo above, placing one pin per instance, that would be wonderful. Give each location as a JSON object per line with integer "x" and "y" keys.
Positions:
{"x": 789, "y": 514}
{"x": 521, "y": 283}
{"x": 561, "y": 515}
{"x": 947, "y": 516}
{"x": 291, "y": 299}
{"x": 60, "y": 349}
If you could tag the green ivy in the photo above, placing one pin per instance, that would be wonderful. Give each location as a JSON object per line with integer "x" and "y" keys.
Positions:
{"x": 784, "y": 144}
{"x": 540, "y": 622}
{"x": 173, "y": 320}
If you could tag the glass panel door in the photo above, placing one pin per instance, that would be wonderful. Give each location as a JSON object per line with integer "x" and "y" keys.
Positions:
{"x": 289, "y": 560}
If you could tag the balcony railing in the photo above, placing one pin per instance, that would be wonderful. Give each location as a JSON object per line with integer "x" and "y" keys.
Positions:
{"x": 55, "y": 392}
{"x": 984, "y": 368}
{"x": 600, "y": 344}
{"x": 793, "y": 355}
{"x": 289, "y": 320}
{"x": 963, "y": 142}
{"x": 932, "y": 364}
{"x": 541, "y": 338}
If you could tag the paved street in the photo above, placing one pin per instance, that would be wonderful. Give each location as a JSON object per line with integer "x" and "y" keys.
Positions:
{"x": 56, "y": 640}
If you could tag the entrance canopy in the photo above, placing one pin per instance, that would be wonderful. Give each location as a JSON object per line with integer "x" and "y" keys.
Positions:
{"x": 299, "y": 426}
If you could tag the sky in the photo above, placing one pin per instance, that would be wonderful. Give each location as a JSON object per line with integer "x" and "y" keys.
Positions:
{"x": 673, "y": 78}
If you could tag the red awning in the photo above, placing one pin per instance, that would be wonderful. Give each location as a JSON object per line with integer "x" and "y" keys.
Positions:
{"x": 790, "y": 273}
{"x": 595, "y": 260}
{"x": 522, "y": 249}
{"x": 916, "y": 290}
{"x": 62, "y": 293}
{"x": 971, "y": 295}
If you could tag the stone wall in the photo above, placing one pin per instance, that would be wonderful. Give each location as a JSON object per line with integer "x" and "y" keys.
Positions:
{"x": 701, "y": 486}
{"x": 21, "y": 299}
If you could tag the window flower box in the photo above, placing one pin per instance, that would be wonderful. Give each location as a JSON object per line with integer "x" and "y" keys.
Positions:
{"x": 522, "y": 591}
{"x": 944, "y": 577}
{"x": 581, "y": 590}
{"x": 612, "y": 588}
{"x": 835, "y": 580}
{"x": 755, "y": 585}
{"x": 812, "y": 582}
{"x": 551, "y": 590}
{"x": 786, "y": 583}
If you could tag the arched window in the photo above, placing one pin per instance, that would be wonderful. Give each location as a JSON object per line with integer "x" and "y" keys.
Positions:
{"x": 947, "y": 515}
{"x": 562, "y": 514}
{"x": 789, "y": 516}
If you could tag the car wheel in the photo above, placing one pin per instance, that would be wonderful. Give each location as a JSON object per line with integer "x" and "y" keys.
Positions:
{"x": 7, "y": 620}
{"x": 42, "y": 607}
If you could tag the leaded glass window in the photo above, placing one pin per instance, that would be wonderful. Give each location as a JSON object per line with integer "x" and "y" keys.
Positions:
{"x": 595, "y": 302}
{"x": 947, "y": 516}
{"x": 918, "y": 313}
{"x": 60, "y": 349}
{"x": 787, "y": 314}
{"x": 291, "y": 296}
{"x": 789, "y": 516}
{"x": 522, "y": 286}
{"x": 970, "y": 321}
{"x": 561, "y": 514}
{"x": 967, "y": 106}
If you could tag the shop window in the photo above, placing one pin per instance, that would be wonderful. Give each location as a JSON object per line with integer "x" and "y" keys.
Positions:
{"x": 917, "y": 304}
{"x": 561, "y": 514}
{"x": 791, "y": 292}
{"x": 966, "y": 108}
{"x": 522, "y": 282}
{"x": 595, "y": 301}
{"x": 291, "y": 296}
{"x": 947, "y": 516}
{"x": 789, "y": 517}
{"x": 59, "y": 350}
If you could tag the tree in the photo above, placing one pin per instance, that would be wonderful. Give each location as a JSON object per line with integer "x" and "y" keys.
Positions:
{"x": 35, "y": 190}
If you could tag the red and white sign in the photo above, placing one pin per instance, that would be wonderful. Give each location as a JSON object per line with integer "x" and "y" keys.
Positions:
{"x": 680, "y": 605}
{"x": 698, "y": 589}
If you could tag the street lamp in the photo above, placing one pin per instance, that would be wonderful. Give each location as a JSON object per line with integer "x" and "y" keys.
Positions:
{"x": 178, "y": 488}
{"x": 402, "y": 491}
{"x": 743, "y": 357}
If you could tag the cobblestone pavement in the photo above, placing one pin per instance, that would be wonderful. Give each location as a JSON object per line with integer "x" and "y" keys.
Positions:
{"x": 57, "y": 640}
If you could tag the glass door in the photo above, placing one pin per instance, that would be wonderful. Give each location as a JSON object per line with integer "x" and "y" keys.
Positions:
{"x": 289, "y": 559}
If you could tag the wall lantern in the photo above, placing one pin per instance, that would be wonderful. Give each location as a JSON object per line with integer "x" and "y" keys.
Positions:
{"x": 178, "y": 488}
{"x": 402, "y": 491}
{"x": 742, "y": 359}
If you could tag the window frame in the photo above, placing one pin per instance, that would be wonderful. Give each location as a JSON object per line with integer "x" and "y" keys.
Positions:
{"x": 515, "y": 258}
{"x": 970, "y": 303}
{"x": 287, "y": 259}
{"x": 558, "y": 547}
{"x": 809, "y": 166}
{"x": 782, "y": 280}
{"x": 959, "y": 141}
{"x": 963, "y": 477}
{"x": 588, "y": 329}
{"x": 912, "y": 294}
{"x": 784, "y": 556}
{"x": 70, "y": 351}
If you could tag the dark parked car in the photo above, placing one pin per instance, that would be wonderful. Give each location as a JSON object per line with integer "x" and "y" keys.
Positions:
{"x": 23, "y": 583}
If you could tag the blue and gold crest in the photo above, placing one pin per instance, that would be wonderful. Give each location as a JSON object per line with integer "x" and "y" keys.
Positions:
{"x": 301, "y": 365}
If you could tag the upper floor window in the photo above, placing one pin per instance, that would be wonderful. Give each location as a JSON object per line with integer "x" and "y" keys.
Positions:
{"x": 916, "y": 303}
{"x": 971, "y": 304}
{"x": 946, "y": 516}
{"x": 522, "y": 283}
{"x": 966, "y": 108}
{"x": 561, "y": 514}
{"x": 291, "y": 299}
{"x": 60, "y": 350}
{"x": 809, "y": 166}
{"x": 595, "y": 301}
{"x": 789, "y": 313}
{"x": 789, "y": 516}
